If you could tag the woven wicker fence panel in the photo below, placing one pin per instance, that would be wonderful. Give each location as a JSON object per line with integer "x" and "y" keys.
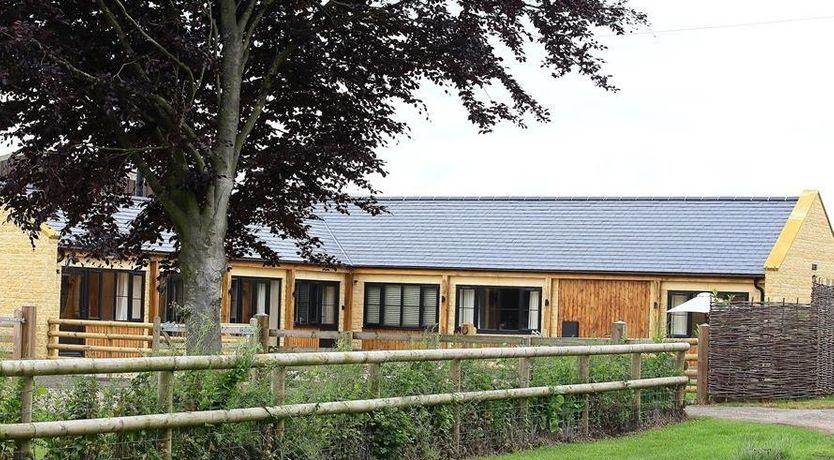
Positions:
{"x": 823, "y": 302}
{"x": 761, "y": 351}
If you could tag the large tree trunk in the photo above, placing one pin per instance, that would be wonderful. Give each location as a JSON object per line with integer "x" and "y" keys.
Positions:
{"x": 202, "y": 257}
{"x": 202, "y": 261}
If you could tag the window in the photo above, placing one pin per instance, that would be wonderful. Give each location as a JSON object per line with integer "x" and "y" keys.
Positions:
{"x": 170, "y": 298}
{"x": 107, "y": 295}
{"x": 401, "y": 305}
{"x": 316, "y": 303}
{"x": 504, "y": 309}
{"x": 252, "y": 296}
{"x": 685, "y": 324}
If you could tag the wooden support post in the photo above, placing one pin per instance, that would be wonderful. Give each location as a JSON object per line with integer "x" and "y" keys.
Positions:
{"x": 262, "y": 321}
{"x": 618, "y": 332}
{"x": 279, "y": 388}
{"x": 456, "y": 387}
{"x": 703, "y": 364}
{"x": 585, "y": 377}
{"x": 636, "y": 402}
{"x": 373, "y": 379}
{"x": 165, "y": 396}
{"x": 680, "y": 391}
{"x": 254, "y": 339}
{"x": 524, "y": 376}
{"x": 26, "y": 349}
{"x": 157, "y": 331}
{"x": 53, "y": 340}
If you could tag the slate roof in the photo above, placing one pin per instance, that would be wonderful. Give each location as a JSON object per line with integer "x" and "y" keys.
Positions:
{"x": 710, "y": 236}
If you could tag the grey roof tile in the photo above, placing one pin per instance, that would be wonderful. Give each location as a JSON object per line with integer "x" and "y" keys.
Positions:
{"x": 681, "y": 235}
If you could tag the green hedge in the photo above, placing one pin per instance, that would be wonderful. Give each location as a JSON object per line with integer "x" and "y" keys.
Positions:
{"x": 412, "y": 433}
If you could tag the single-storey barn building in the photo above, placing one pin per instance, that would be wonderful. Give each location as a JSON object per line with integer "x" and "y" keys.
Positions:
{"x": 549, "y": 266}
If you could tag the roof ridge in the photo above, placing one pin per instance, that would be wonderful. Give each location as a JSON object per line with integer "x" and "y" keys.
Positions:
{"x": 586, "y": 198}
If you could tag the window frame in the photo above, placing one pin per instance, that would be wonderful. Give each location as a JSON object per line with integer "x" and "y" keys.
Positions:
{"x": 477, "y": 307}
{"x": 690, "y": 327}
{"x": 319, "y": 297}
{"x": 84, "y": 292}
{"x": 381, "y": 285}
{"x": 238, "y": 309}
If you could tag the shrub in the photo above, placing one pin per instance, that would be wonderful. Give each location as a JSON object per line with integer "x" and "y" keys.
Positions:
{"x": 407, "y": 433}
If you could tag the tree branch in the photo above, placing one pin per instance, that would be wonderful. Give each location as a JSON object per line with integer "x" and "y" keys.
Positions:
{"x": 158, "y": 46}
{"x": 258, "y": 107}
{"x": 111, "y": 18}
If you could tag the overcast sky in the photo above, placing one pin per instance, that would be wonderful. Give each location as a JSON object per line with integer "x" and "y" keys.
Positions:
{"x": 741, "y": 110}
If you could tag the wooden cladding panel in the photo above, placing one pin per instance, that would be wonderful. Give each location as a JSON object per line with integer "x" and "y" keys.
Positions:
{"x": 303, "y": 343}
{"x": 106, "y": 329}
{"x": 418, "y": 343}
{"x": 595, "y": 304}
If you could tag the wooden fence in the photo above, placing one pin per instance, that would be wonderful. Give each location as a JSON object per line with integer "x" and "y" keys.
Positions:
{"x": 17, "y": 334}
{"x": 120, "y": 339}
{"x": 772, "y": 350}
{"x": 165, "y": 422}
{"x": 110, "y": 339}
{"x": 288, "y": 340}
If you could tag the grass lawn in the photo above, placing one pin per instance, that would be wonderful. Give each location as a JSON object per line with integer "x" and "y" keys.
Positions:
{"x": 697, "y": 439}
{"x": 825, "y": 402}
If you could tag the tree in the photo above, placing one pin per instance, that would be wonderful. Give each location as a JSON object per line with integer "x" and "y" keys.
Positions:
{"x": 250, "y": 112}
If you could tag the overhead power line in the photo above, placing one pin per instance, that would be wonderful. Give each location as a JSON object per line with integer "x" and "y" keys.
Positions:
{"x": 725, "y": 26}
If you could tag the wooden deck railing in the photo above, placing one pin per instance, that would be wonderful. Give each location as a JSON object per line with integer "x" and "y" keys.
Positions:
{"x": 25, "y": 431}
{"x": 120, "y": 339}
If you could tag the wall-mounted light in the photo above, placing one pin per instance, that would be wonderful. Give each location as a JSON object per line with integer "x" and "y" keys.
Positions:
{"x": 443, "y": 299}
{"x": 546, "y": 302}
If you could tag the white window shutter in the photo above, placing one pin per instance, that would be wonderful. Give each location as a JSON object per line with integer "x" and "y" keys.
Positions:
{"x": 411, "y": 306}
{"x": 429, "y": 306}
{"x": 393, "y": 300}
{"x": 374, "y": 297}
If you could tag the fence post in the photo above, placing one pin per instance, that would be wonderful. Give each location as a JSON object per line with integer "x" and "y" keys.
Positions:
{"x": 524, "y": 376}
{"x": 254, "y": 339}
{"x": 680, "y": 392}
{"x": 53, "y": 340}
{"x": 618, "y": 332}
{"x": 585, "y": 377}
{"x": 456, "y": 387}
{"x": 636, "y": 374}
{"x": 703, "y": 364}
{"x": 373, "y": 378}
{"x": 157, "y": 328}
{"x": 263, "y": 331}
{"x": 279, "y": 388}
{"x": 165, "y": 395}
{"x": 26, "y": 350}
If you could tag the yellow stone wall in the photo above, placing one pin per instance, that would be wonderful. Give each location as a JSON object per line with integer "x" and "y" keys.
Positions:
{"x": 806, "y": 240}
{"x": 29, "y": 276}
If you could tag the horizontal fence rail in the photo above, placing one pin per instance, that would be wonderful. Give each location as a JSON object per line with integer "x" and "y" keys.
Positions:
{"x": 253, "y": 414}
{"x": 25, "y": 431}
{"x": 76, "y": 366}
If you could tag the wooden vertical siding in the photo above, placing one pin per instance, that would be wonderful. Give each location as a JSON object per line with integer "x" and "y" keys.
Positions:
{"x": 595, "y": 304}
{"x": 302, "y": 342}
{"x": 107, "y": 329}
{"x": 419, "y": 341}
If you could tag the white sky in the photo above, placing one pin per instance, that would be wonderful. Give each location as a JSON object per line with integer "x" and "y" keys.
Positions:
{"x": 725, "y": 111}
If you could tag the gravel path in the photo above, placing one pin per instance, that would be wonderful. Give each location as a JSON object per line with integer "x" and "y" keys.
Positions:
{"x": 817, "y": 419}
